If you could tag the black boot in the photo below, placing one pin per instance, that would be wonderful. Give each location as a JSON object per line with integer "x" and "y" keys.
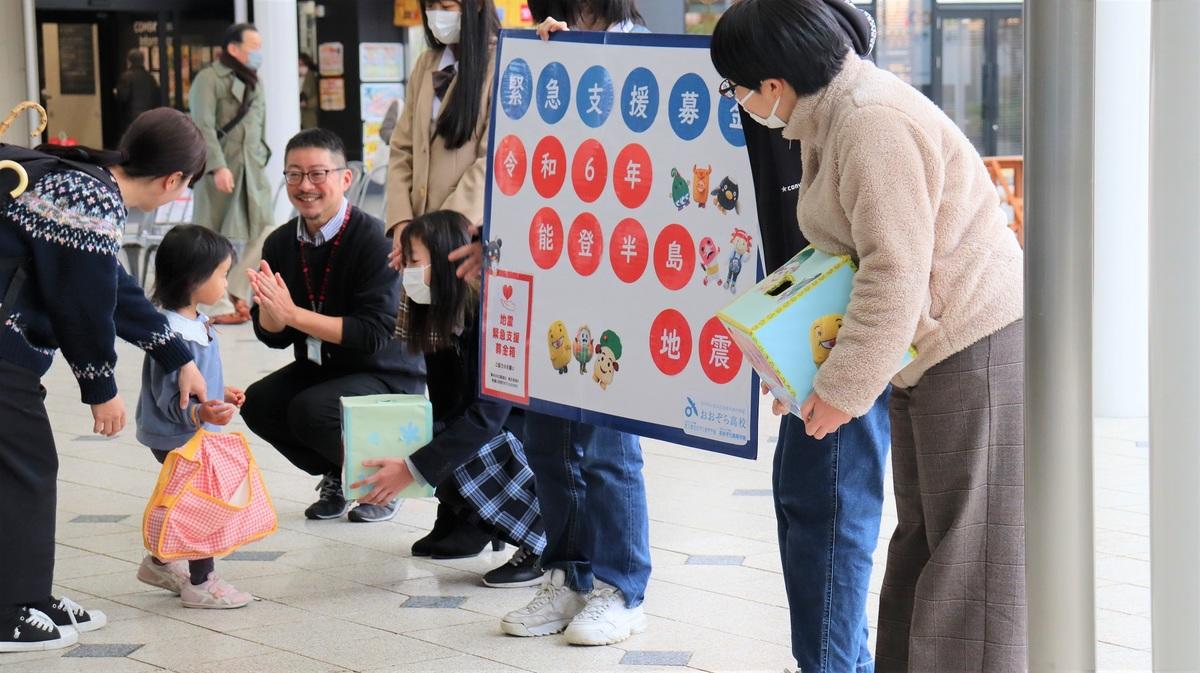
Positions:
{"x": 445, "y": 523}
{"x": 464, "y": 541}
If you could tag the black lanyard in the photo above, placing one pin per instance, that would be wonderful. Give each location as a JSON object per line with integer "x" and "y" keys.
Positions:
{"x": 317, "y": 301}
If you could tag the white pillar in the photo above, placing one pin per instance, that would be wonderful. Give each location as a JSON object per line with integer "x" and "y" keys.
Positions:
{"x": 1175, "y": 335}
{"x": 1121, "y": 361}
{"x": 276, "y": 22}
{"x": 241, "y": 11}
{"x": 1059, "y": 48}
{"x": 19, "y": 53}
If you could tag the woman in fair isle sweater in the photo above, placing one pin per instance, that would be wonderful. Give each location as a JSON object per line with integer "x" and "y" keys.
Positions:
{"x": 61, "y": 287}
{"x": 891, "y": 181}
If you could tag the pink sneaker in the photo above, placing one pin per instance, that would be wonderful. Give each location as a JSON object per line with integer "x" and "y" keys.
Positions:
{"x": 215, "y": 594}
{"x": 171, "y": 576}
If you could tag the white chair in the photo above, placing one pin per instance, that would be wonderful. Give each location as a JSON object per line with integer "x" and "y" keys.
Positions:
{"x": 145, "y": 231}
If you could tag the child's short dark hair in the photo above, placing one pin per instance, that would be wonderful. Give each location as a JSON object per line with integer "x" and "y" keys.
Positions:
{"x": 187, "y": 256}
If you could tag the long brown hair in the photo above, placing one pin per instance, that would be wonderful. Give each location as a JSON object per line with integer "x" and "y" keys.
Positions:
{"x": 480, "y": 26}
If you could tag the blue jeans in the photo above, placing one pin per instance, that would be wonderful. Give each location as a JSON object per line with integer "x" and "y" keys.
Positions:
{"x": 593, "y": 501}
{"x": 828, "y": 501}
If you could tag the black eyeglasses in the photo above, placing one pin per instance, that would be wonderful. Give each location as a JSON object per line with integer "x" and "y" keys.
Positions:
{"x": 728, "y": 89}
{"x": 315, "y": 176}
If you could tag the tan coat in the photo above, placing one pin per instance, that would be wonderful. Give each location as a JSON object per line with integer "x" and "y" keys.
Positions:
{"x": 423, "y": 175}
{"x": 890, "y": 180}
{"x": 214, "y": 100}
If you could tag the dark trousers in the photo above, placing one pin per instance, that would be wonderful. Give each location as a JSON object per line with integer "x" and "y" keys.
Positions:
{"x": 298, "y": 410}
{"x": 953, "y": 597}
{"x": 28, "y": 488}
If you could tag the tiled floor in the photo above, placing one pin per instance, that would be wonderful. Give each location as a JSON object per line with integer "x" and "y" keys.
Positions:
{"x": 348, "y": 597}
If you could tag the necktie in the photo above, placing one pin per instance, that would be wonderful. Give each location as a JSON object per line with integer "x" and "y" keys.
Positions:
{"x": 442, "y": 79}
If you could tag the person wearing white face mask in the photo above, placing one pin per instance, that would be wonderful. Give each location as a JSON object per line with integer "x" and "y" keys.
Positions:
{"x": 438, "y": 153}
{"x": 477, "y": 503}
{"x": 234, "y": 197}
{"x": 891, "y": 181}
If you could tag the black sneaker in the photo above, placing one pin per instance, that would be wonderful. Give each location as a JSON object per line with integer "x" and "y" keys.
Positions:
{"x": 330, "y": 504}
{"x": 66, "y": 612}
{"x": 375, "y": 513}
{"x": 30, "y": 630}
{"x": 524, "y": 569}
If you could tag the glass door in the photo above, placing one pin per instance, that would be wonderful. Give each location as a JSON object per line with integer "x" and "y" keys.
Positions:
{"x": 978, "y": 75}
{"x": 1010, "y": 80}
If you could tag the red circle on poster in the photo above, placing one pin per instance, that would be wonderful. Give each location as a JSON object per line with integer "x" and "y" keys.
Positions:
{"x": 629, "y": 250}
{"x": 585, "y": 244}
{"x": 589, "y": 170}
{"x": 509, "y": 165}
{"x": 549, "y": 167}
{"x": 546, "y": 238}
{"x": 670, "y": 342}
{"x": 674, "y": 257}
{"x": 632, "y": 176}
{"x": 719, "y": 355}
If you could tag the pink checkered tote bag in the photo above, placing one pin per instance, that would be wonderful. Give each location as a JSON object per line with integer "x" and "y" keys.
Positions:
{"x": 210, "y": 499}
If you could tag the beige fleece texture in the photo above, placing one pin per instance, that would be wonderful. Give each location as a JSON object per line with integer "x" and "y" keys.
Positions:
{"x": 891, "y": 181}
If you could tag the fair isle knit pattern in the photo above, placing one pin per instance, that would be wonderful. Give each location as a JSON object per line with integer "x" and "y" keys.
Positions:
{"x": 14, "y": 323}
{"x": 74, "y": 210}
{"x": 157, "y": 340}
{"x": 68, "y": 228}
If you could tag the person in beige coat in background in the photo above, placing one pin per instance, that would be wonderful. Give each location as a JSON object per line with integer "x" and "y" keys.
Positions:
{"x": 891, "y": 181}
{"x": 234, "y": 197}
{"x": 438, "y": 158}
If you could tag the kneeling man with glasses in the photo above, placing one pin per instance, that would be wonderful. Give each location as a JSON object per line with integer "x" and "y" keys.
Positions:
{"x": 325, "y": 290}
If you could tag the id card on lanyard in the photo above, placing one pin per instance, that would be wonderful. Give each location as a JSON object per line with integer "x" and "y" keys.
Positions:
{"x": 317, "y": 292}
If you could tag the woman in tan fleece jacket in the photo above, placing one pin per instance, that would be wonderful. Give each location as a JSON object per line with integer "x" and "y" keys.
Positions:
{"x": 891, "y": 181}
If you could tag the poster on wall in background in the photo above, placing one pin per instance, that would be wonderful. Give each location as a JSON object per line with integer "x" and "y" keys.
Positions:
{"x": 621, "y": 217}
{"x": 375, "y": 99}
{"x": 381, "y": 61}
{"x": 331, "y": 59}
{"x": 514, "y": 13}
{"x": 333, "y": 94}
{"x": 373, "y": 148}
{"x": 407, "y": 13}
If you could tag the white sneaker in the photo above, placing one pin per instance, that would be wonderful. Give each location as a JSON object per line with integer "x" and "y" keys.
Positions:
{"x": 214, "y": 594}
{"x": 605, "y": 620}
{"x": 171, "y": 576}
{"x": 551, "y": 609}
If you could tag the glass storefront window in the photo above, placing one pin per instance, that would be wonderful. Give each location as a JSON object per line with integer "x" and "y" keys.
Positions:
{"x": 904, "y": 45}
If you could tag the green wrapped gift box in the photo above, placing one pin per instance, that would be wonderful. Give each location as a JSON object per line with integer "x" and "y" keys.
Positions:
{"x": 383, "y": 426}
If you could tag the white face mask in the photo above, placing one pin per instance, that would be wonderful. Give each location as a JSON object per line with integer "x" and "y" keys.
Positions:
{"x": 415, "y": 286}
{"x": 771, "y": 121}
{"x": 445, "y": 26}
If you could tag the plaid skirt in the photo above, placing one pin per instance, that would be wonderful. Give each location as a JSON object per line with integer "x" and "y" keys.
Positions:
{"x": 494, "y": 490}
